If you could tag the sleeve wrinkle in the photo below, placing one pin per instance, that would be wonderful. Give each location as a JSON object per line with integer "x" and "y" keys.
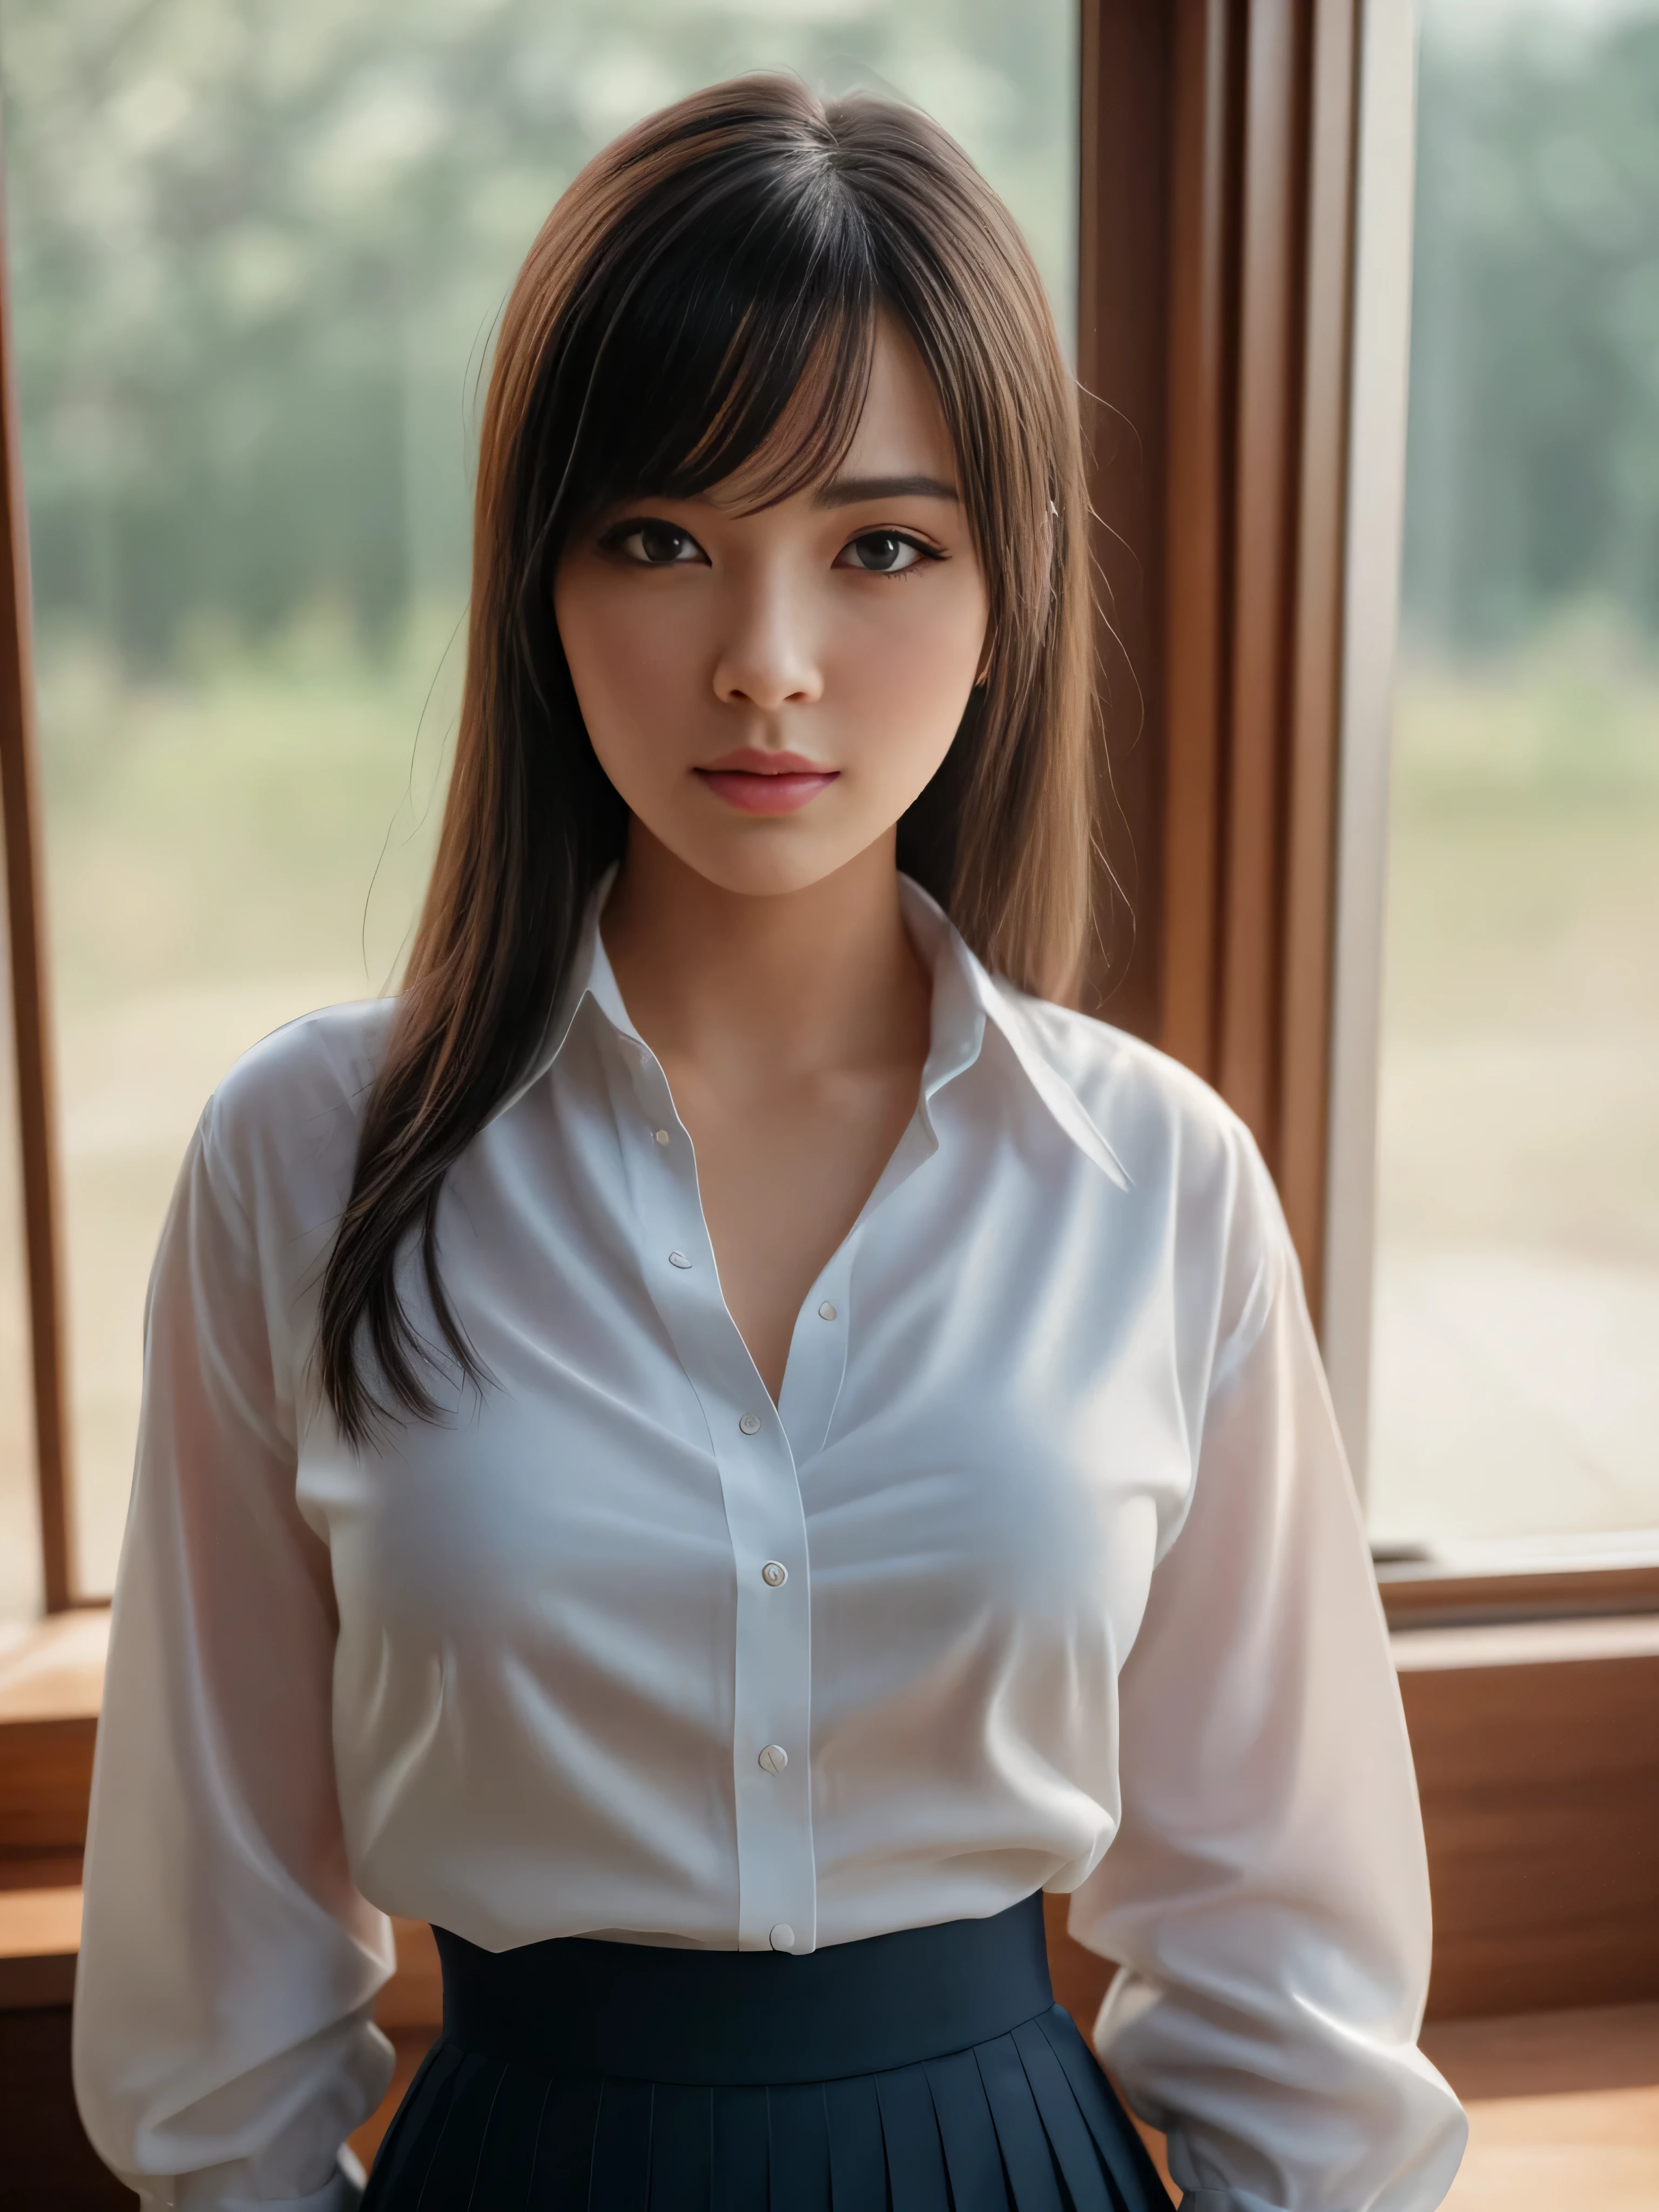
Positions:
{"x": 1233, "y": 1352}
{"x": 224, "y": 2045}
{"x": 216, "y": 1166}
{"x": 1266, "y": 1893}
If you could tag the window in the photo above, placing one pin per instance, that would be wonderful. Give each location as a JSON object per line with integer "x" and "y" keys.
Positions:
{"x": 256, "y": 246}
{"x": 1515, "y": 1393}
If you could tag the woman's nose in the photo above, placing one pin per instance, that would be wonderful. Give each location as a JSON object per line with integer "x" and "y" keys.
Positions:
{"x": 768, "y": 654}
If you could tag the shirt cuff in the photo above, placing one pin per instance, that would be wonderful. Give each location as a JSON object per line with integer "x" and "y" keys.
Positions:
{"x": 342, "y": 2193}
{"x": 1226, "y": 2200}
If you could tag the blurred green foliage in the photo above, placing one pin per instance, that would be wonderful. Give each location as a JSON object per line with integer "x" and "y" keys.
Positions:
{"x": 258, "y": 246}
{"x": 1533, "y": 453}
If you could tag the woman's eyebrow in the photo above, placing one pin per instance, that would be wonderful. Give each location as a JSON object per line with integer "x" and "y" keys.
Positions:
{"x": 847, "y": 491}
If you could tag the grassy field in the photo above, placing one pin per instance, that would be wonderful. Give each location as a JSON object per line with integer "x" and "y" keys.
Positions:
{"x": 226, "y": 849}
{"x": 1519, "y": 1164}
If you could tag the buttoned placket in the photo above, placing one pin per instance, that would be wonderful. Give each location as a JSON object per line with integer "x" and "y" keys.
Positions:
{"x": 757, "y": 1447}
{"x": 771, "y": 1761}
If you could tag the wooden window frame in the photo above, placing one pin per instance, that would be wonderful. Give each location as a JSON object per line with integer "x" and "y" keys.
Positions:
{"x": 32, "y": 1030}
{"x": 1244, "y": 273}
{"x": 1243, "y": 262}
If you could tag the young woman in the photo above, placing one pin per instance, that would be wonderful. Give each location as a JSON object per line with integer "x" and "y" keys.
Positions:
{"x": 724, "y": 1443}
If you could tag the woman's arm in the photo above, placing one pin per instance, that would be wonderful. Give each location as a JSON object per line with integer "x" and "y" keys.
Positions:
{"x": 223, "y": 2045}
{"x": 1267, "y": 1893}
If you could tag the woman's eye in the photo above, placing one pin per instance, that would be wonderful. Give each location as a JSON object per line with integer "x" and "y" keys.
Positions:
{"x": 658, "y": 544}
{"x": 883, "y": 553}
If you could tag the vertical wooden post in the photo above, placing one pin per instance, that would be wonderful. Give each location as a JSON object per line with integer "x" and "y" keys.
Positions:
{"x": 1317, "y": 645}
{"x": 1213, "y": 346}
{"x": 1203, "y": 226}
{"x": 26, "y": 923}
{"x": 1122, "y": 254}
{"x": 1263, "y": 485}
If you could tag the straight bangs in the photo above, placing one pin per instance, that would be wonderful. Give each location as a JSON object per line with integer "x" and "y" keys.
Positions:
{"x": 731, "y": 347}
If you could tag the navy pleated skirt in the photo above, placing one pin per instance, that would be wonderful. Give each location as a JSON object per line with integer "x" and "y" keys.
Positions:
{"x": 930, "y": 2070}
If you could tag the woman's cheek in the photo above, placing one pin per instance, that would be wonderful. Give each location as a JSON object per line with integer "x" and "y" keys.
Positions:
{"x": 633, "y": 665}
{"x": 908, "y": 679}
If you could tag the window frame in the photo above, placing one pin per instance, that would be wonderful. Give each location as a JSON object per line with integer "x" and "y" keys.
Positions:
{"x": 32, "y": 1031}
{"x": 1247, "y": 171}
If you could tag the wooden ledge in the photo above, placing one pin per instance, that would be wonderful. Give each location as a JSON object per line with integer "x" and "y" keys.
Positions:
{"x": 1538, "y": 1770}
{"x": 1524, "y": 1643}
{"x": 51, "y": 1685}
{"x": 1421, "y": 1594}
{"x": 53, "y": 1670}
{"x": 40, "y": 1941}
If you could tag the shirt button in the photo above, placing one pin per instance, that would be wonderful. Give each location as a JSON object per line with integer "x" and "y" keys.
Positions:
{"x": 678, "y": 1260}
{"x": 749, "y": 1424}
{"x": 826, "y": 1311}
{"x": 775, "y": 1758}
{"x": 663, "y": 1136}
{"x": 774, "y": 1574}
{"x": 783, "y": 1936}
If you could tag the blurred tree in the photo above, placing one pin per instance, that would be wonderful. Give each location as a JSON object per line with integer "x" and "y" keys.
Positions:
{"x": 1533, "y": 457}
{"x": 256, "y": 246}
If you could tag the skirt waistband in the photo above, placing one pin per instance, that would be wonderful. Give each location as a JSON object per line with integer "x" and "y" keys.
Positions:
{"x": 718, "y": 2019}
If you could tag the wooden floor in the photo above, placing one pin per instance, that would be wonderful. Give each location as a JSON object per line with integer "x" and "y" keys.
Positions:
{"x": 1564, "y": 2110}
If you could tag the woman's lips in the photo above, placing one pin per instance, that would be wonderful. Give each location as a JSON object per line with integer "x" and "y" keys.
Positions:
{"x": 767, "y": 785}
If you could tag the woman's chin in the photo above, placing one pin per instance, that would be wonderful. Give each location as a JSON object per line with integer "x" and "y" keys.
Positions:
{"x": 766, "y": 856}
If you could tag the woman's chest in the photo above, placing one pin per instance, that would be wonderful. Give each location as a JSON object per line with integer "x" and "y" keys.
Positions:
{"x": 980, "y": 1426}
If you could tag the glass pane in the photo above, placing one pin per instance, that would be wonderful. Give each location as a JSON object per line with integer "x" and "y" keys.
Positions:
{"x": 258, "y": 246}
{"x": 1516, "y": 1389}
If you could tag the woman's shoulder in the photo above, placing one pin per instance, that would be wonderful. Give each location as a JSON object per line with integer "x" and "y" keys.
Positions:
{"x": 283, "y": 1123}
{"x": 1157, "y": 1116}
{"x": 1188, "y": 1164}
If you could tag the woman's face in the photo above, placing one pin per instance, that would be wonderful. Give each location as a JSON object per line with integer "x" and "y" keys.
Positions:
{"x": 769, "y": 691}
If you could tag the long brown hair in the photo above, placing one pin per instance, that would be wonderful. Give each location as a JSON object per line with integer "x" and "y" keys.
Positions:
{"x": 704, "y": 298}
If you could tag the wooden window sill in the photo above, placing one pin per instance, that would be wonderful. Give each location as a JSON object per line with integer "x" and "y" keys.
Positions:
{"x": 1537, "y": 1762}
{"x": 39, "y": 1940}
{"x": 1419, "y": 1595}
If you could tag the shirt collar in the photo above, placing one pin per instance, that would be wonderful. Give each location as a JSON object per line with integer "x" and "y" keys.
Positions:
{"x": 966, "y": 997}
{"x": 961, "y": 983}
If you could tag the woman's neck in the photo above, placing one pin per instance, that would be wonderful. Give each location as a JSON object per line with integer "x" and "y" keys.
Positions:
{"x": 748, "y": 986}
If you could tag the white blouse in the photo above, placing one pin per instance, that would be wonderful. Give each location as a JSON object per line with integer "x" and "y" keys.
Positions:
{"x": 1044, "y": 1572}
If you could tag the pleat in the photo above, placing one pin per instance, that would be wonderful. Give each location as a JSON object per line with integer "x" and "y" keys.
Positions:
{"x": 621, "y": 2179}
{"x": 798, "y": 2149}
{"x": 858, "y": 2162}
{"x": 1081, "y": 2167}
{"x": 452, "y": 2166}
{"x": 1139, "y": 2185}
{"x": 739, "y": 2155}
{"x": 682, "y": 2139}
{"x": 916, "y": 2160}
{"x": 425, "y": 2103}
{"x": 1026, "y": 2156}
{"x": 562, "y": 2157}
{"x": 967, "y": 2134}
{"x": 507, "y": 2155}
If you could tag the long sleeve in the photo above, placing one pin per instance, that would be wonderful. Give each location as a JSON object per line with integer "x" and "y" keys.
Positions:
{"x": 1267, "y": 1894}
{"x": 223, "y": 2044}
